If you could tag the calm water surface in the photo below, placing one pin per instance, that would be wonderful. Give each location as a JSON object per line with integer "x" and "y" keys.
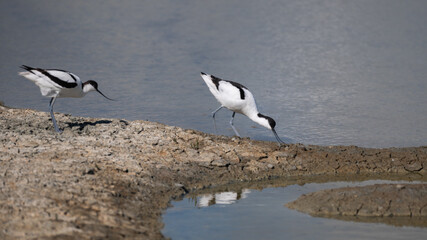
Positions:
{"x": 261, "y": 214}
{"x": 329, "y": 72}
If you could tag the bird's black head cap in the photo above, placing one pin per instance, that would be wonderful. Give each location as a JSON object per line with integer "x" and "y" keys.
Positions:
{"x": 271, "y": 121}
{"x": 93, "y": 83}
{"x": 272, "y": 124}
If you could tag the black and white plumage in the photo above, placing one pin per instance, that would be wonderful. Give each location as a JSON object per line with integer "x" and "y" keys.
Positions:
{"x": 238, "y": 99}
{"x": 56, "y": 83}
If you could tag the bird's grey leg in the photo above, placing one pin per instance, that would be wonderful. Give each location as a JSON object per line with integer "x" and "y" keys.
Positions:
{"x": 52, "y": 101}
{"x": 213, "y": 117}
{"x": 232, "y": 126}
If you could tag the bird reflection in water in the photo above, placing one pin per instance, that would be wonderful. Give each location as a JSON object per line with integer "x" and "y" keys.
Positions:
{"x": 222, "y": 198}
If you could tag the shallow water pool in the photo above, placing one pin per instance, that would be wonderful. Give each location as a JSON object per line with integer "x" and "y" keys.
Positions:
{"x": 260, "y": 214}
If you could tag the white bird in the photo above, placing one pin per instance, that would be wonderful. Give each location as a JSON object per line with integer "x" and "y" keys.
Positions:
{"x": 56, "y": 83}
{"x": 238, "y": 99}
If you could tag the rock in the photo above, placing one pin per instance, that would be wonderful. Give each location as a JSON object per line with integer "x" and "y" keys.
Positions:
{"x": 220, "y": 163}
{"x": 413, "y": 166}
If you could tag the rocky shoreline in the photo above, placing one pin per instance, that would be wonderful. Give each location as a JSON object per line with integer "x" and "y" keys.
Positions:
{"x": 112, "y": 178}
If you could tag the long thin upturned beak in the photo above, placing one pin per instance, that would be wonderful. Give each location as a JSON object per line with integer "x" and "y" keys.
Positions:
{"x": 105, "y": 96}
{"x": 277, "y": 137}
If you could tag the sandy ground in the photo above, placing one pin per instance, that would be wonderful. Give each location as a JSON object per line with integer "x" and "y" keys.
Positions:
{"x": 112, "y": 178}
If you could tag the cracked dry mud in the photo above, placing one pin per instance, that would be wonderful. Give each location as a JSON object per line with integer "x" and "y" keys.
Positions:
{"x": 112, "y": 178}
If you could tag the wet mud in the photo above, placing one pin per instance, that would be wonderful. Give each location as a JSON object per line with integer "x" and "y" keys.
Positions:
{"x": 113, "y": 178}
{"x": 396, "y": 204}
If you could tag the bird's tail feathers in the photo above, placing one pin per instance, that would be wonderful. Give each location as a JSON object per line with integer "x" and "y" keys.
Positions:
{"x": 28, "y": 68}
{"x": 30, "y": 75}
{"x": 208, "y": 80}
{"x": 26, "y": 75}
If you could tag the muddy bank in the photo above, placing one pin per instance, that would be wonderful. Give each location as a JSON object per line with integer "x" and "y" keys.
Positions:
{"x": 358, "y": 203}
{"x": 112, "y": 178}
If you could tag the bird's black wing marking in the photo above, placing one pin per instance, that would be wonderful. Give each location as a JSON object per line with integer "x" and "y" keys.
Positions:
{"x": 58, "y": 81}
{"x": 216, "y": 80}
{"x": 67, "y": 72}
{"x": 72, "y": 75}
{"x": 239, "y": 86}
